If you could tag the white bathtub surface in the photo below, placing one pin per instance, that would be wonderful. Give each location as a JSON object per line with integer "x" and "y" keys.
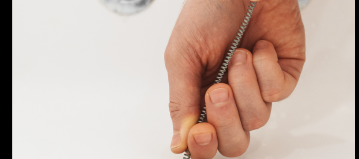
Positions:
{"x": 90, "y": 84}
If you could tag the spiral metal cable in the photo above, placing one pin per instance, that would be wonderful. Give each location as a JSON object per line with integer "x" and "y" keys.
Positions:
{"x": 227, "y": 59}
{"x": 237, "y": 39}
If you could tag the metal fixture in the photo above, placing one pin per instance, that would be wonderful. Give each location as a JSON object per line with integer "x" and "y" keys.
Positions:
{"x": 127, "y": 7}
{"x": 303, "y": 3}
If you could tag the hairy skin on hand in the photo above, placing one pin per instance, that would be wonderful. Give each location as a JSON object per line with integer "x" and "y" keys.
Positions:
{"x": 206, "y": 29}
{"x": 202, "y": 36}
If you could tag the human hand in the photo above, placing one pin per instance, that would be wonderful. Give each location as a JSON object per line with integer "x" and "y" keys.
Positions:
{"x": 202, "y": 35}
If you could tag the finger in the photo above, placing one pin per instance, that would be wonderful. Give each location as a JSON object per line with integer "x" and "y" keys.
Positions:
{"x": 185, "y": 84}
{"x": 253, "y": 111}
{"x": 275, "y": 84}
{"x": 202, "y": 141}
{"x": 222, "y": 113}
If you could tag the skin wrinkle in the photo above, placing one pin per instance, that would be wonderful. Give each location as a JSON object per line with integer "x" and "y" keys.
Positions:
{"x": 218, "y": 4}
{"x": 262, "y": 59}
{"x": 293, "y": 62}
{"x": 176, "y": 107}
{"x": 275, "y": 6}
{"x": 210, "y": 54}
{"x": 293, "y": 45}
{"x": 200, "y": 52}
{"x": 260, "y": 120}
{"x": 174, "y": 110}
{"x": 190, "y": 60}
{"x": 285, "y": 69}
{"x": 283, "y": 53}
{"x": 203, "y": 52}
{"x": 276, "y": 93}
{"x": 202, "y": 35}
{"x": 284, "y": 42}
{"x": 254, "y": 122}
{"x": 220, "y": 30}
{"x": 228, "y": 124}
{"x": 196, "y": 53}
{"x": 294, "y": 56}
{"x": 287, "y": 74}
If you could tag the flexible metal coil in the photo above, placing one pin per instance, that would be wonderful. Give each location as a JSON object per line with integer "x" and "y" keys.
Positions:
{"x": 237, "y": 39}
{"x": 187, "y": 155}
{"x": 227, "y": 59}
{"x": 202, "y": 117}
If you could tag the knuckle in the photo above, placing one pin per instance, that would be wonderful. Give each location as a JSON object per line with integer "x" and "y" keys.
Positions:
{"x": 236, "y": 150}
{"x": 237, "y": 153}
{"x": 259, "y": 59}
{"x": 174, "y": 109}
{"x": 178, "y": 110}
{"x": 255, "y": 123}
{"x": 189, "y": 55}
{"x": 272, "y": 95}
{"x": 272, "y": 91}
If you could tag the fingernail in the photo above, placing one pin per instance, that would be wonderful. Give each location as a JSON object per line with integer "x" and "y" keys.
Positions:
{"x": 219, "y": 95}
{"x": 203, "y": 139}
{"x": 176, "y": 140}
{"x": 240, "y": 57}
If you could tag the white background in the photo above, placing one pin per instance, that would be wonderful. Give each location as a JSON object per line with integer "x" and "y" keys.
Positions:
{"x": 90, "y": 84}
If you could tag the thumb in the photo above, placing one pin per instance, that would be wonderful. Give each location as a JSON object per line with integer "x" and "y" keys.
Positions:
{"x": 185, "y": 85}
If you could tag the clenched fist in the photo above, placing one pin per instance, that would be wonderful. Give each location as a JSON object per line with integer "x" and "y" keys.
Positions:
{"x": 265, "y": 69}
